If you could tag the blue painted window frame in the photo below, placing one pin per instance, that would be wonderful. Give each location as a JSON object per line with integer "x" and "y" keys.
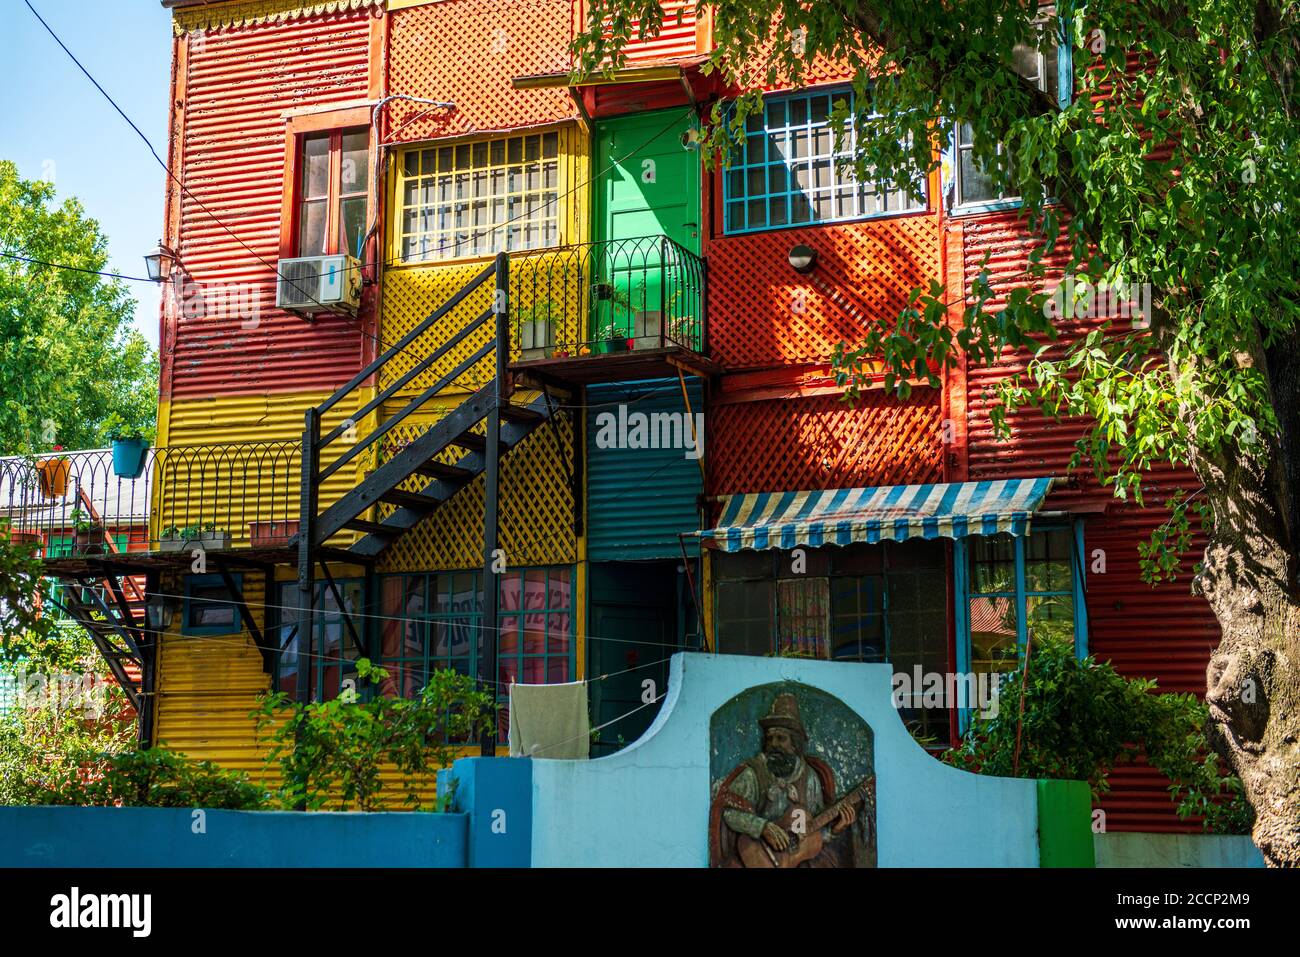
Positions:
{"x": 207, "y": 581}
{"x": 1064, "y": 94}
{"x": 962, "y": 591}
{"x": 740, "y": 171}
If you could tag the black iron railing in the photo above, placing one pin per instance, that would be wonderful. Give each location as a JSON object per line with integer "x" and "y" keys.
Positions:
{"x": 220, "y": 496}
{"x": 608, "y": 297}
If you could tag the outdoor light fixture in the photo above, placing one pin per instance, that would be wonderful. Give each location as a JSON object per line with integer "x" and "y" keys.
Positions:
{"x": 159, "y": 263}
{"x": 161, "y": 613}
{"x": 803, "y": 259}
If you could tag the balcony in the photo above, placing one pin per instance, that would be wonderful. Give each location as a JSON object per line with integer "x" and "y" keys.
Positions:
{"x": 80, "y": 512}
{"x": 609, "y": 311}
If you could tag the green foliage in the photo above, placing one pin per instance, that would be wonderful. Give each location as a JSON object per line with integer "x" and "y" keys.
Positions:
{"x": 152, "y": 777}
{"x": 330, "y": 753}
{"x": 1082, "y": 718}
{"x": 542, "y": 311}
{"x": 1183, "y": 177}
{"x": 69, "y": 357}
{"x": 116, "y": 428}
{"x": 22, "y": 592}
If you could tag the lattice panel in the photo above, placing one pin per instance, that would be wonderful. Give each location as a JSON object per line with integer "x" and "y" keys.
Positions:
{"x": 467, "y": 51}
{"x": 762, "y": 313}
{"x": 411, "y": 294}
{"x": 820, "y": 442}
{"x": 536, "y": 505}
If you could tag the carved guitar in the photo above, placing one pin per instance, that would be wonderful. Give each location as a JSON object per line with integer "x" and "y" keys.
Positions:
{"x": 755, "y": 852}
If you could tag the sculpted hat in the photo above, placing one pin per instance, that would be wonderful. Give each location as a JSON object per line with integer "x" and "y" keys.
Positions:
{"x": 784, "y": 714}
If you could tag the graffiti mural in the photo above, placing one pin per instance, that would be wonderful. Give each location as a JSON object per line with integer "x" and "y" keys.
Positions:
{"x": 793, "y": 784}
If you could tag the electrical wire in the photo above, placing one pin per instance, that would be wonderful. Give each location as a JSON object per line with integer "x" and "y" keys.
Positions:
{"x": 93, "y": 272}
{"x": 275, "y": 269}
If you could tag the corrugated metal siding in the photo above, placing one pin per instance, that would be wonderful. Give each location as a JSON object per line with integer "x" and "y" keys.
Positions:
{"x": 676, "y": 37}
{"x": 208, "y": 688}
{"x": 467, "y": 51}
{"x": 239, "y": 82}
{"x": 1161, "y": 632}
{"x": 216, "y": 484}
{"x": 638, "y": 500}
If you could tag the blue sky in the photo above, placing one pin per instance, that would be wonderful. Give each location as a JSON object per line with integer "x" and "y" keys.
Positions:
{"x": 54, "y": 124}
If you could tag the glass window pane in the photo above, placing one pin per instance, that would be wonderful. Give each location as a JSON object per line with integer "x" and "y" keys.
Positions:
{"x": 352, "y": 225}
{"x": 316, "y": 166}
{"x": 993, "y": 623}
{"x": 311, "y": 228}
{"x": 355, "y": 168}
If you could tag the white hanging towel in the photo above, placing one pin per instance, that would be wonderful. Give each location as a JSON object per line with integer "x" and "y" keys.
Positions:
{"x": 549, "y": 721}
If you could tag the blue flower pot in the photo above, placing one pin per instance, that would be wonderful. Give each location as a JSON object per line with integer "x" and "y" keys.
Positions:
{"x": 128, "y": 457}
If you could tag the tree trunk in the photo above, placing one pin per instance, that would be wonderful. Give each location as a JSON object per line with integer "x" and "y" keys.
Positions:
{"x": 1249, "y": 577}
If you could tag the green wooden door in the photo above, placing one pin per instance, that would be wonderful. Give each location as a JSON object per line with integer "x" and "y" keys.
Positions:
{"x": 648, "y": 190}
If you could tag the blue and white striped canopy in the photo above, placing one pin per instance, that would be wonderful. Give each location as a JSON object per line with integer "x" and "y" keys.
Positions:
{"x": 887, "y": 513}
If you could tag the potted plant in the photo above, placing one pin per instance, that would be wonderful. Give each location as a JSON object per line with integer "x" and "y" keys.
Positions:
{"x": 130, "y": 445}
{"x": 609, "y": 338}
{"x": 53, "y": 474}
{"x": 87, "y": 533}
{"x": 272, "y": 534}
{"x": 537, "y": 330}
{"x": 206, "y": 536}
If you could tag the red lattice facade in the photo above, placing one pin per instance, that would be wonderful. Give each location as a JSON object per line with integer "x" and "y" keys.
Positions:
{"x": 467, "y": 52}
{"x": 764, "y": 314}
{"x": 820, "y": 442}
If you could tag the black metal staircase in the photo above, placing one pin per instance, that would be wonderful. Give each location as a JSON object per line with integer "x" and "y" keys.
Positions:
{"x": 423, "y": 459}
{"x": 112, "y": 607}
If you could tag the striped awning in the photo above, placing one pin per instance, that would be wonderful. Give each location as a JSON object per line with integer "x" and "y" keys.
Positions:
{"x": 886, "y": 513}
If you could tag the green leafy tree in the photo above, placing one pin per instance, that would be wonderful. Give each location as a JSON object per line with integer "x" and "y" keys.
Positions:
{"x": 69, "y": 357}
{"x": 1182, "y": 173}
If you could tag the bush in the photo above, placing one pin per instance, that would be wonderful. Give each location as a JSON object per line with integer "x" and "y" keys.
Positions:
{"x": 330, "y": 753}
{"x": 1082, "y": 718}
{"x": 146, "y": 778}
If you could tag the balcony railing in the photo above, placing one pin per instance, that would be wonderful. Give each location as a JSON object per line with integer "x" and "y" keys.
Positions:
{"x": 608, "y": 297}
{"x": 221, "y": 496}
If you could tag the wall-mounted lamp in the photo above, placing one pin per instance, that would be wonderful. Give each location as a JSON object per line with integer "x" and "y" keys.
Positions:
{"x": 159, "y": 263}
{"x": 803, "y": 259}
{"x": 161, "y": 613}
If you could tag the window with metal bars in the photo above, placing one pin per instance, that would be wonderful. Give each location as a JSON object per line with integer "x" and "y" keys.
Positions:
{"x": 479, "y": 198}
{"x": 790, "y": 173}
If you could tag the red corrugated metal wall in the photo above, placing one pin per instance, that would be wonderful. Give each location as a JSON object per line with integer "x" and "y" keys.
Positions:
{"x": 1161, "y": 632}
{"x": 238, "y": 85}
{"x": 676, "y": 37}
{"x": 467, "y": 52}
{"x": 821, "y": 442}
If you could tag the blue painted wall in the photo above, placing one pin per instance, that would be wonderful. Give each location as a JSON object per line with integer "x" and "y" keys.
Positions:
{"x": 638, "y": 500}
{"x": 164, "y": 837}
{"x": 648, "y": 805}
{"x": 496, "y": 795}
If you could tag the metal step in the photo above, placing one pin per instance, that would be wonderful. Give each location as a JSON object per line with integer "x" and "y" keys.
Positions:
{"x": 415, "y": 500}
{"x": 442, "y": 471}
{"x": 372, "y": 528}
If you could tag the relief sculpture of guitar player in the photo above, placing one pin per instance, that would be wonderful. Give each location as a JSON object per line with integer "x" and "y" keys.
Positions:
{"x": 779, "y": 808}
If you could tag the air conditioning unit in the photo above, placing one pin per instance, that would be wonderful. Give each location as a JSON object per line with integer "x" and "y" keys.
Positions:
{"x": 313, "y": 284}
